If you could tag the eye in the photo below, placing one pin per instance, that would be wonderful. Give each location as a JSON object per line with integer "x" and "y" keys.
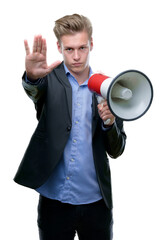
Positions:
{"x": 82, "y": 48}
{"x": 69, "y": 49}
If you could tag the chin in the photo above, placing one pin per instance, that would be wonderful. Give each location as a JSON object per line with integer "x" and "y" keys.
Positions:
{"x": 77, "y": 69}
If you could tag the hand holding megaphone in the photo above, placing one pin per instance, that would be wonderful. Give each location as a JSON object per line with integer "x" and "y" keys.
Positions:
{"x": 104, "y": 111}
{"x": 129, "y": 95}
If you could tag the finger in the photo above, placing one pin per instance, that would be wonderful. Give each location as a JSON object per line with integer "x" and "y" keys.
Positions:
{"x": 105, "y": 103}
{"x": 44, "y": 47}
{"x": 102, "y": 108}
{"x": 39, "y": 44}
{"x": 108, "y": 116}
{"x": 105, "y": 114}
{"x": 108, "y": 119}
{"x": 52, "y": 66}
{"x": 26, "y": 47}
{"x": 35, "y": 44}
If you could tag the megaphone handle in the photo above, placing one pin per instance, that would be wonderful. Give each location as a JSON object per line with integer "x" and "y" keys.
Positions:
{"x": 101, "y": 100}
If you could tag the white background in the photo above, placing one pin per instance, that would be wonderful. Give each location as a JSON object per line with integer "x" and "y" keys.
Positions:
{"x": 127, "y": 34}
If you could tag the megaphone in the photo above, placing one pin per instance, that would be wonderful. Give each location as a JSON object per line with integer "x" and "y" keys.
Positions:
{"x": 129, "y": 95}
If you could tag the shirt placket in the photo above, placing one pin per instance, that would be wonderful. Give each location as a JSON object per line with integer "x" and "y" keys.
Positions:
{"x": 74, "y": 156}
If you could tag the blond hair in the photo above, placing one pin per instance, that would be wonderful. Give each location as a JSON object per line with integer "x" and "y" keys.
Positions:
{"x": 70, "y": 24}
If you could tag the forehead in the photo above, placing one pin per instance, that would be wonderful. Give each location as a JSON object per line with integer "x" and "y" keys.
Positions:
{"x": 75, "y": 40}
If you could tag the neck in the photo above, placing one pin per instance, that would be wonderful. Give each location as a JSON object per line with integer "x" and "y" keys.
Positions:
{"x": 81, "y": 77}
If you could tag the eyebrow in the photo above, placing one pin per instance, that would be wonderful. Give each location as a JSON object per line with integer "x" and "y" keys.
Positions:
{"x": 82, "y": 45}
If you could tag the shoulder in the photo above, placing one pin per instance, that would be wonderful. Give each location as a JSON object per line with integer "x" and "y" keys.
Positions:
{"x": 59, "y": 69}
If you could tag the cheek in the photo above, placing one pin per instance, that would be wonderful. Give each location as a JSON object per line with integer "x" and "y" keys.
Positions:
{"x": 87, "y": 57}
{"x": 65, "y": 57}
{"x": 67, "y": 60}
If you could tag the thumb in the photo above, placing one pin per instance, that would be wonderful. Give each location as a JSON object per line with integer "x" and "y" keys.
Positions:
{"x": 53, "y": 65}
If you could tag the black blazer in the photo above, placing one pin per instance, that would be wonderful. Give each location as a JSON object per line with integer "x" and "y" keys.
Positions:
{"x": 52, "y": 97}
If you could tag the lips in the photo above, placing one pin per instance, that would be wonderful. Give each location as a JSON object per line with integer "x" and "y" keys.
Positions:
{"x": 77, "y": 64}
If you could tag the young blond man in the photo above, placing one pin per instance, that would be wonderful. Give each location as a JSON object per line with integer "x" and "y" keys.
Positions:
{"x": 66, "y": 160}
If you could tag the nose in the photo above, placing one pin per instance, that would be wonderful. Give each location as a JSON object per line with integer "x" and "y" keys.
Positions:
{"x": 76, "y": 55}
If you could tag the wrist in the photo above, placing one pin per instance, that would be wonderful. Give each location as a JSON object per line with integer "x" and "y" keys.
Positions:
{"x": 31, "y": 78}
{"x": 31, "y": 81}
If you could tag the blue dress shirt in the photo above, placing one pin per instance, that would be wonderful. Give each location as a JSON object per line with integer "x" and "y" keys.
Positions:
{"x": 74, "y": 179}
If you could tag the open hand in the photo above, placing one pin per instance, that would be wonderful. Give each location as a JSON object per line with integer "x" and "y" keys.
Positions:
{"x": 36, "y": 62}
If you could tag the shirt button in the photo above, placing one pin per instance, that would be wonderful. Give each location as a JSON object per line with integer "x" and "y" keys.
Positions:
{"x": 72, "y": 159}
{"x": 69, "y": 128}
{"x": 74, "y": 141}
{"x": 68, "y": 178}
{"x": 76, "y": 122}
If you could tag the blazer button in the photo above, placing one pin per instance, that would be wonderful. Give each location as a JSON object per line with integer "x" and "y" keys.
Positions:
{"x": 69, "y": 128}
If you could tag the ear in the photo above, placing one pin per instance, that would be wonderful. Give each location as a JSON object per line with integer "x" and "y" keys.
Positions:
{"x": 59, "y": 47}
{"x": 91, "y": 44}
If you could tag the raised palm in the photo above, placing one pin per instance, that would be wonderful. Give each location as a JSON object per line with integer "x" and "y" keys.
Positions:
{"x": 36, "y": 62}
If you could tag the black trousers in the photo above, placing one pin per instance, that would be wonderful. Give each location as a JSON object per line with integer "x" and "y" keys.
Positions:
{"x": 61, "y": 221}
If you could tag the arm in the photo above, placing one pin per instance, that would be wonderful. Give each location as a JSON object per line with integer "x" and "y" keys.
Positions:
{"x": 115, "y": 139}
{"x": 36, "y": 89}
{"x": 114, "y": 135}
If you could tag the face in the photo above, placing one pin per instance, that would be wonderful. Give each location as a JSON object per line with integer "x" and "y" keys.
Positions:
{"x": 75, "y": 49}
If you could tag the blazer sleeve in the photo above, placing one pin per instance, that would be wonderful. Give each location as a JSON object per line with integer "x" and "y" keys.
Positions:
{"x": 35, "y": 91}
{"x": 115, "y": 139}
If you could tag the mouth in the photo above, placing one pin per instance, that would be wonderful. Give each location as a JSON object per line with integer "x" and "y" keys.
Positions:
{"x": 77, "y": 64}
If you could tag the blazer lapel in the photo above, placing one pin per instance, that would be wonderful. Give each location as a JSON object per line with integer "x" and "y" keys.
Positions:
{"x": 65, "y": 82}
{"x": 95, "y": 115}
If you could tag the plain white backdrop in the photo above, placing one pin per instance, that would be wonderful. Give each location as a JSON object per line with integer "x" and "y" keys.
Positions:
{"x": 127, "y": 34}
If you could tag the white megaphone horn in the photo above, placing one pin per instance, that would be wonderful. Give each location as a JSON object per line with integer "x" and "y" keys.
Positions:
{"x": 129, "y": 95}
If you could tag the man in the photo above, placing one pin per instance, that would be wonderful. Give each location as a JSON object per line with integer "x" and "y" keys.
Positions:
{"x": 66, "y": 160}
